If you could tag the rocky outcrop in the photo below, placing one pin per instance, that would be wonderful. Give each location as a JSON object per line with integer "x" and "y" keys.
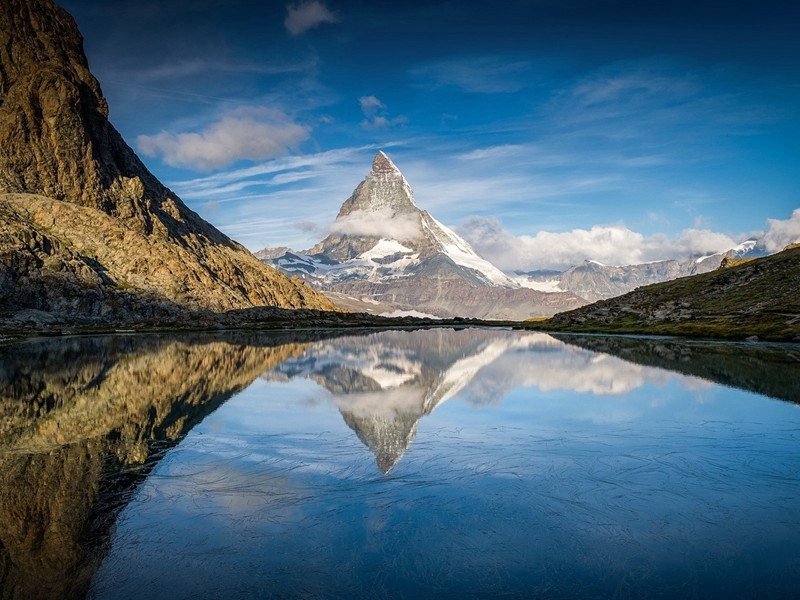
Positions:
{"x": 80, "y": 216}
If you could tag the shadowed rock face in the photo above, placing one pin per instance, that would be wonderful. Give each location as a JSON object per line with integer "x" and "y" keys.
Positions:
{"x": 82, "y": 422}
{"x": 80, "y": 213}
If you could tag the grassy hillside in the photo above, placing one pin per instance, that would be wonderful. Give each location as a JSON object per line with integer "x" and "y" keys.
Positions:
{"x": 758, "y": 298}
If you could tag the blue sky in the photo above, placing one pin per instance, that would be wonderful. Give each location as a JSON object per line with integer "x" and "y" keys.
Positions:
{"x": 631, "y": 129}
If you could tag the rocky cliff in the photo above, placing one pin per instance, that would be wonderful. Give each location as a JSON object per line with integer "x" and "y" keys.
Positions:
{"x": 85, "y": 228}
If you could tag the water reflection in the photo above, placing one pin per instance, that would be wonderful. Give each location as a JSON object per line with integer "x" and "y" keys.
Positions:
{"x": 84, "y": 421}
{"x": 384, "y": 383}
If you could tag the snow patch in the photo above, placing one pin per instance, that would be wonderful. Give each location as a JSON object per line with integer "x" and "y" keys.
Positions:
{"x": 550, "y": 285}
{"x": 706, "y": 257}
{"x": 384, "y": 248}
{"x": 461, "y": 253}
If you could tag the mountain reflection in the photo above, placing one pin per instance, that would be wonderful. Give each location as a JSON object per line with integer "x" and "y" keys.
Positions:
{"x": 84, "y": 420}
{"x": 770, "y": 370}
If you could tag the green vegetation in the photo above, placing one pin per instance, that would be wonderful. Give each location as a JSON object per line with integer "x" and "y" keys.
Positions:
{"x": 756, "y": 298}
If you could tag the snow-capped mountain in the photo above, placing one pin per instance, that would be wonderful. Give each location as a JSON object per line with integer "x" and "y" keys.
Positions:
{"x": 594, "y": 281}
{"x": 384, "y": 253}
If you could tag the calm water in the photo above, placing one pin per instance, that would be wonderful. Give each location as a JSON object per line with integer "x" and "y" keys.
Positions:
{"x": 414, "y": 464}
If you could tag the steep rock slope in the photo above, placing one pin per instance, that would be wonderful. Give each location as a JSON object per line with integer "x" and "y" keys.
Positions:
{"x": 760, "y": 297}
{"x": 385, "y": 250}
{"x": 65, "y": 170}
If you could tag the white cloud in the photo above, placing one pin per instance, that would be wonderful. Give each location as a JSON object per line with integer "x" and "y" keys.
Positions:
{"x": 780, "y": 234}
{"x": 375, "y": 114}
{"x": 306, "y": 226}
{"x": 500, "y": 151}
{"x": 306, "y": 15}
{"x": 370, "y": 105}
{"x": 245, "y": 133}
{"x": 609, "y": 244}
{"x": 482, "y": 75}
{"x": 378, "y": 223}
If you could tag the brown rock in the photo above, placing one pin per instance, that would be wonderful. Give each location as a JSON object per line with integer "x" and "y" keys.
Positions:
{"x": 81, "y": 215}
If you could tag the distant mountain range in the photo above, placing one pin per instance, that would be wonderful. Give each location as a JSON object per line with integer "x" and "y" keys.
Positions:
{"x": 384, "y": 254}
{"x": 759, "y": 297}
{"x": 594, "y": 281}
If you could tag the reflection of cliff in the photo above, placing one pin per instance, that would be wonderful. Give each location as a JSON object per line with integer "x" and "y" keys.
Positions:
{"x": 82, "y": 422}
{"x": 385, "y": 382}
{"x": 768, "y": 370}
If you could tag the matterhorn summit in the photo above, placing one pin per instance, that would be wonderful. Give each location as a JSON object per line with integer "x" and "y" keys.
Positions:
{"x": 384, "y": 187}
{"x": 384, "y": 254}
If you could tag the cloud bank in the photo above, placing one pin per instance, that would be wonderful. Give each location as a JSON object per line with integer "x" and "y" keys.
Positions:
{"x": 378, "y": 223}
{"x": 782, "y": 233}
{"x": 307, "y": 15}
{"x": 246, "y": 133}
{"x": 609, "y": 244}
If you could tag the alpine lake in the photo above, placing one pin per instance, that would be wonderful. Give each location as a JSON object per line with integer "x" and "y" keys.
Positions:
{"x": 437, "y": 463}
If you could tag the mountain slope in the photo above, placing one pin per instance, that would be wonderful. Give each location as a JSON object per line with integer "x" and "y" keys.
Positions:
{"x": 594, "y": 281}
{"x": 65, "y": 170}
{"x": 760, "y": 297}
{"x": 384, "y": 250}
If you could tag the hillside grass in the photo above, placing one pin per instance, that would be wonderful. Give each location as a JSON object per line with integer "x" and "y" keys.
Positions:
{"x": 757, "y": 298}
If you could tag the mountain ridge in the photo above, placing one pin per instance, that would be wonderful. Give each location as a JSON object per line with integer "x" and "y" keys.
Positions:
{"x": 62, "y": 157}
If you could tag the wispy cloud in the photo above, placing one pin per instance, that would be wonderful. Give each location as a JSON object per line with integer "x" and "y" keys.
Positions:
{"x": 189, "y": 67}
{"x": 293, "y": 190}
{"x": 637, "y": 99}
{"x": 307, "y": 15}
{"x": 481, "y": 75}
{"x": 381, "y": 223}
{"x": 245, "y": 133}
{"x": 295, "y": 168}
{"x": 376, "y": 115}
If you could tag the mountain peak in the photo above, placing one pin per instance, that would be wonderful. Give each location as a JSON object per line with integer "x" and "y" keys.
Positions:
{"x": 383, "y": 164}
